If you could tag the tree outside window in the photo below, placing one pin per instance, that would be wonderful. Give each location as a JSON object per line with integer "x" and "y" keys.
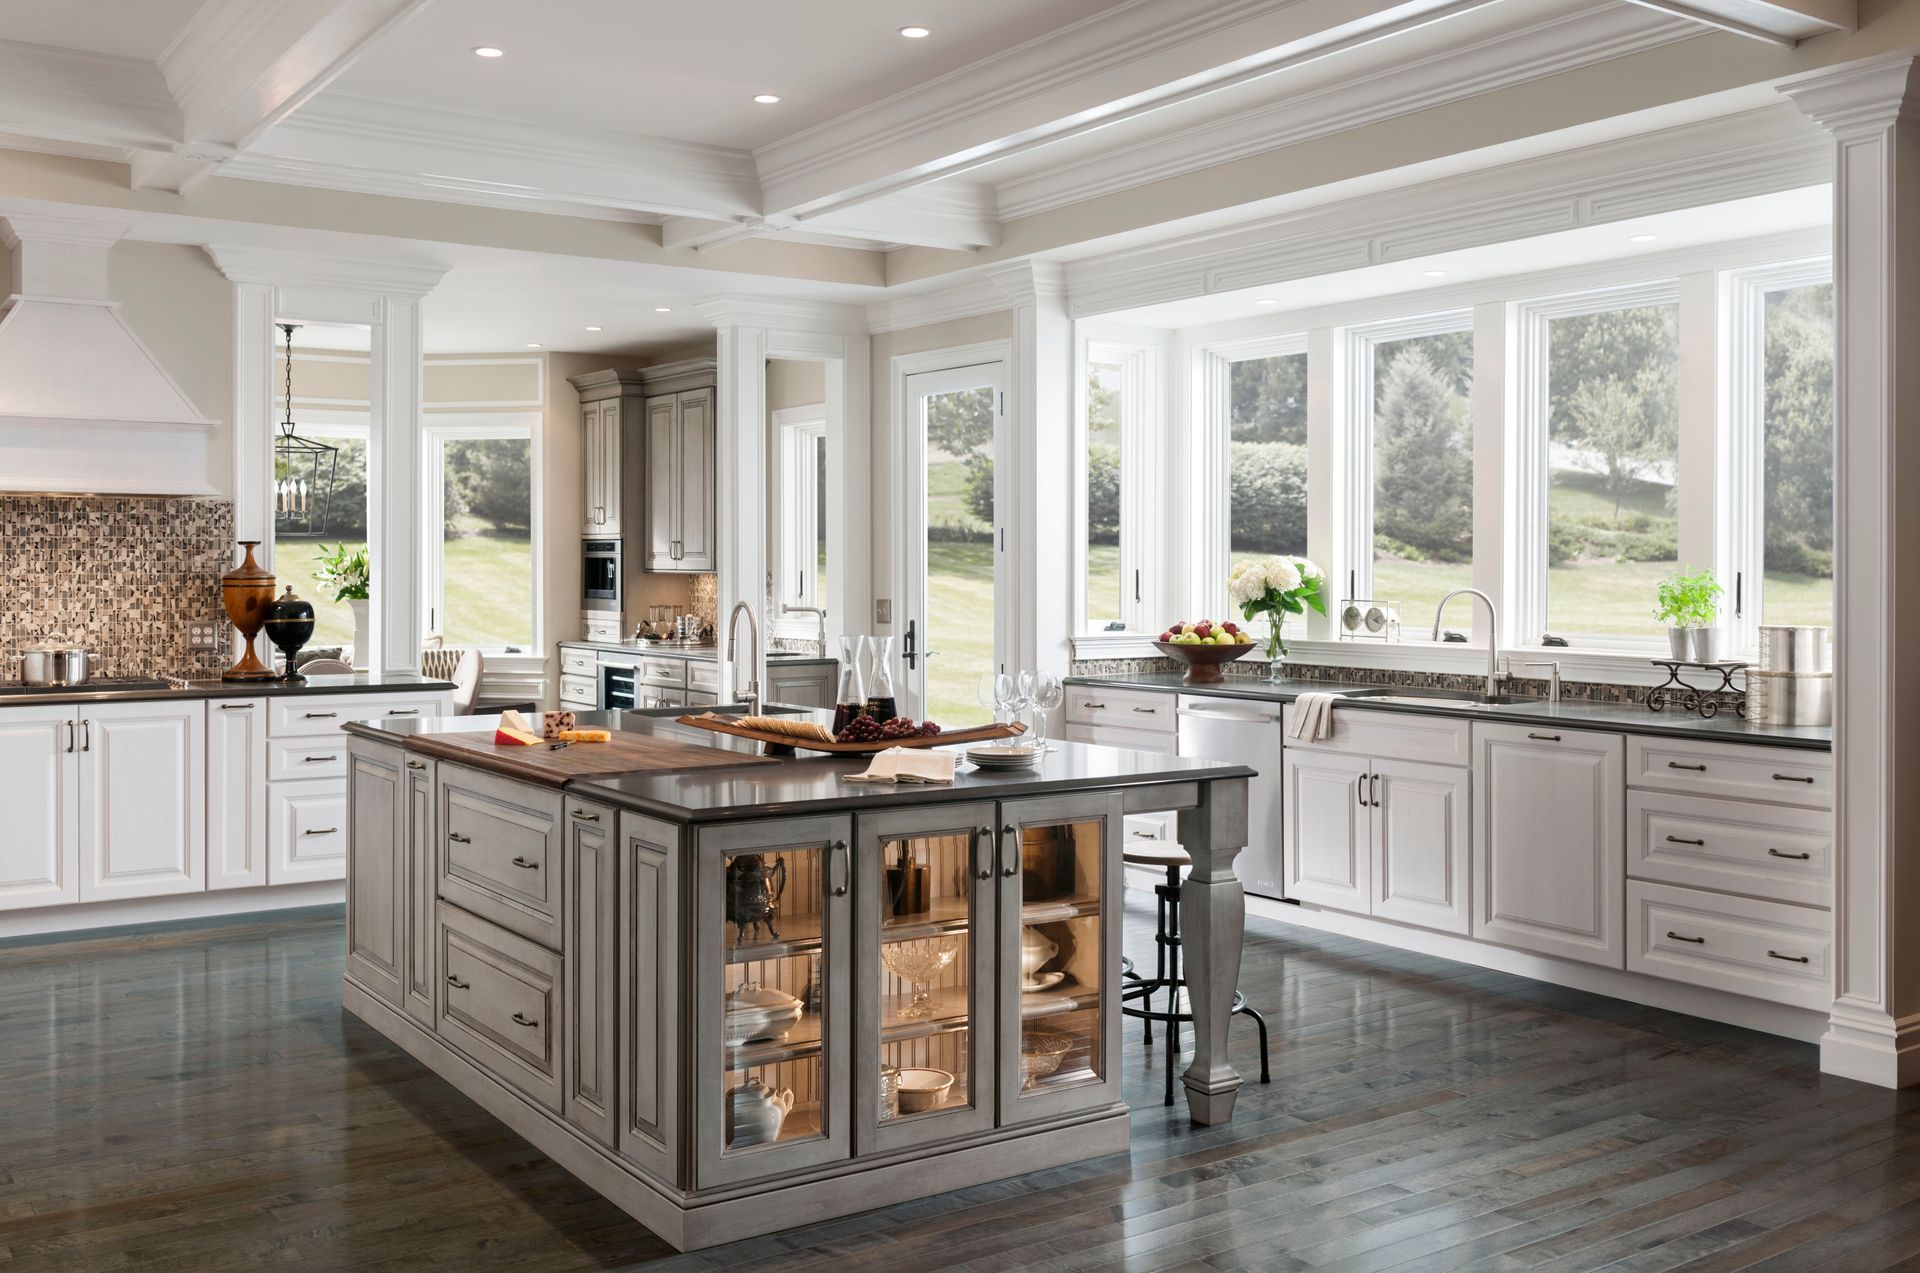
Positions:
{"x": 1422, "y": 471}
{"x": 1797, "y": 481}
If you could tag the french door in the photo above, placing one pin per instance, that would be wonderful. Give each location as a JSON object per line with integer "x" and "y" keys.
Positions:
{"x": 955, "y": 626}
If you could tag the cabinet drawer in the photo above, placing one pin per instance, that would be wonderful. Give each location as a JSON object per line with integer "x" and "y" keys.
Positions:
{"x": 703, "y": 676}
{"x": 578, "y": 662}
{"x": 307, "y": 831}
{"x": 1779, "y": 775}
{"x": 1143, "y": 710}
{"x": 1769, "y": 950}
{"x": 1436, "y": 740}
{"x": 309, "y": 714}
{"x": 500, "y": 852}
{"x": 1160, "y": 744}
{"x": 667, "y": 672}
{"x": 1732, "y": 845}
{"x": 1158, "y": 827}
{"x": 499, "y": 1001}
{"x": 601, "y": 627}
{"x": 579, "y": 691}
{"x": 300, "y": 758}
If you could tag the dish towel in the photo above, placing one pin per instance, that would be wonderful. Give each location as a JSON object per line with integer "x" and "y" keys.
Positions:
{"x": 1312, "y": 717}
{"x": 902, "y": 764}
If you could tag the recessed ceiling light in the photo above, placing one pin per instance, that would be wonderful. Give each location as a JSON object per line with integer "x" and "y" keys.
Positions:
{"x": 534, "y": 344}
{"x": 1266, "y": 300}
{"x": 1641, "y": 238}
{"x": 596, "y": 329}
{"x": 915, "y": 33}
{"x": 1433, "y": 273}
{"x": 487, "y": 50}
{"x": 663, "y": 309}
{"x": 766, "y": 99}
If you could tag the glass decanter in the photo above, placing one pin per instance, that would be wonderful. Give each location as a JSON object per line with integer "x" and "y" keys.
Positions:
{"x": 881, "y": 704}
{"x": 851, "y": 699}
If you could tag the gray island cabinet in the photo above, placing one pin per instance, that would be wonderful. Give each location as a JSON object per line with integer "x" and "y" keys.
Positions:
{"x": 751, "y": 996}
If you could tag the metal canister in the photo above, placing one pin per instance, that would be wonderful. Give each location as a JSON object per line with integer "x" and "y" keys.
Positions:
{"x": 1789, "y": 698}
{"x": 1793, "y": 648}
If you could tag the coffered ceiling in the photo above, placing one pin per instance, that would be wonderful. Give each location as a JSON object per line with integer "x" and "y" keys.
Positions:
{"x": 643, "y": 111}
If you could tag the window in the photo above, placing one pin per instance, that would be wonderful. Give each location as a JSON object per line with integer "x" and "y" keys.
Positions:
{"x": 1417, "y": 432}
{"x": 1605, "y": 439}
{"x": 1116, "y": 486}
{"x": 1797, "y": 456}
{"x": 801, "y": 555}
{"x": 1105, "y": 384}
{"x": 310, "y": 524}
{"x": 1267, "y": 456}
{"x": 479, "y": 531}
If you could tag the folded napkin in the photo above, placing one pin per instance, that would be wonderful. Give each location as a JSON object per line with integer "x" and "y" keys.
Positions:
{"x": 1312, "y": 717}
{"x": 904, "y": 764}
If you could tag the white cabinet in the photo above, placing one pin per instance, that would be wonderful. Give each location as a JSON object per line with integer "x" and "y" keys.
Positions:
{"x": 309, "y": 831}
{"x": 1378, "y": 837}
{"x": 143, "y": 811}
{"x": 237, "y": 793}
{"x": 681, "y": 475}
{"x": 600, "y": 447}
{"x": 40, "y": 849}
{"x": 1549, "y": 841}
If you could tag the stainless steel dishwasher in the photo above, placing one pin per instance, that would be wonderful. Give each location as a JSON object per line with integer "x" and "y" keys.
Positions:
{"x": 1247, "y": 733}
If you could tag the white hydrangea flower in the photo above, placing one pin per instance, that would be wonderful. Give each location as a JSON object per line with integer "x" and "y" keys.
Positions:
{"x": 1307, "y": 569}
{"x": 1282, "y": 574}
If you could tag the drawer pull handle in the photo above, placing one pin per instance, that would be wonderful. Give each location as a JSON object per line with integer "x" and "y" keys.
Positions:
{"x": 321, "y": 831}
{"x": 1148, "y": 711}
{"x": 1698, "y": 941}
{"x": 456, "y": 838}
{"x": 584, "y": 816}
{"x": 1793, "y": 778}
{"x": 321, "y": 715}
{"x": 416, "y": 764}
{"x": 1792, "y": 959}
{"x": 1008, "y": 869}
{"x": 1095, "y": 707}
{"x": 1143, "y": 835}
{"x": 839, "y": 850}
{"x": 1791, "y": 857}
{"x": 521, "y": 1018}
{"x": 403, "y": 711}
{"x": 1674, "y": 839}
{"x": 318, "y": 760}
{"x": 1674, "y": 764}
{"x": 1544, "y": 738}
{"x": 453, "y": 979}
{"x": 983, "y": 838}
{"x": 236, "y": 707}
{"x": 525, "y": 865}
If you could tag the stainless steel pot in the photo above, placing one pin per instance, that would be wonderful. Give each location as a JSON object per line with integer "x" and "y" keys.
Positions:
{"x": 54, "y": 663}
{"x": 1792, "y": 648}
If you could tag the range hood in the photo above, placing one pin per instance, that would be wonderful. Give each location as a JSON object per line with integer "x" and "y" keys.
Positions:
{"x": 84, "y": 406}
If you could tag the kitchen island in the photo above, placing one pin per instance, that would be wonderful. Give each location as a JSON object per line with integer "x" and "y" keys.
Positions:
{"x": 736, "y": 993}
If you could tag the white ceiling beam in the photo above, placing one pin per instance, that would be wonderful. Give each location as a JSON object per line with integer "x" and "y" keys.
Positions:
{"x": 704, "y": 232}
{"x": 946, "y": 215}
{"x": 1776, "y": 21}
{"x": 242, "y": 66}
{"x": 84, "y": 102}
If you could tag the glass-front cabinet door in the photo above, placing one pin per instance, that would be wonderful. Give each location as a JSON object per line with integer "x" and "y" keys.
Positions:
{"x": 1060, "y": 921}
{"x": 774, "y": 1017}
{"x": 924, "y": 1067}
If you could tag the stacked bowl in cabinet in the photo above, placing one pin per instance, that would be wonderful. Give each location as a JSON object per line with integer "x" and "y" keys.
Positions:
{"x": 1791, "y": 683}
{"x": 1730, "y": 868}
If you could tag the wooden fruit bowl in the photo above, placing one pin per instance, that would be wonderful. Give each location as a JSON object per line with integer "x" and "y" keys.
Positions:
{"x": 1204, "y": 661}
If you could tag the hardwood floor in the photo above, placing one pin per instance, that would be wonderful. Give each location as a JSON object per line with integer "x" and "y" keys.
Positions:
{"x": 196, "y": 1100}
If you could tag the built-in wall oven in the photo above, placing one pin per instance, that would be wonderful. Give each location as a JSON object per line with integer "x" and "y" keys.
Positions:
{"x": 600, "y": 575}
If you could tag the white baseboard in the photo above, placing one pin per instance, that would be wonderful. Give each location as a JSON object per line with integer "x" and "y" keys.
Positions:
{"x": 1871, "y": 1047}
{"x": 158, "y": 910}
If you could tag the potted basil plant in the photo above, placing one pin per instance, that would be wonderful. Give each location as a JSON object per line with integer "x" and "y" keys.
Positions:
{"x": 1688, "y": 604}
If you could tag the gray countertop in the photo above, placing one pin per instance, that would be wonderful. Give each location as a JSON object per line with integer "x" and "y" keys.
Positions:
{"x": 361, "y": 683}
{"x": 693, "y": 653}
{"x": 1631, "y": 718}
{"x": 816, "y": 784}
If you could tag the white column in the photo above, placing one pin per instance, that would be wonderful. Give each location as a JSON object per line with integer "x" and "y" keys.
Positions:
{"x": 850, "y": 489}
{"x": 1329, "y": 507}
{"x": 1698, "y": 413}
{"x": 1040, "y": 416}
{"x": 1872, "y": 108}
{"x": 740, "y": 501}
{"x": 395, "y": 538}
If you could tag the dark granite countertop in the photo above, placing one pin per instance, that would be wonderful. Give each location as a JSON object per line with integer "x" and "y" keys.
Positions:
{"x": 694, "y": 653}
{"x": 360, "y": 683}
{"x": 815, "y": 784}
{"x": 1630, "y": 718}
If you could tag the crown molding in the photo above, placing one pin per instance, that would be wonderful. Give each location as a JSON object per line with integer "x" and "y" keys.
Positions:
{"x": 966, "y": 298}
{"x": 1860, "y": 97}
{"x": 403, "y": 280}
{"x": 778, "y": 314}
{"x": 1027, "y": 282}
{"x": 91, "y": 99}
{"x": 1712, "y": 161}
{"x": 1563, "y": 42}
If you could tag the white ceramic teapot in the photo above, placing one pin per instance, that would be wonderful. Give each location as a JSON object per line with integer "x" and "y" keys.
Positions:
{"x": 1036, "y": 948}
{"x": 755, "y": 1113}
{"x": 756, "y": 1012}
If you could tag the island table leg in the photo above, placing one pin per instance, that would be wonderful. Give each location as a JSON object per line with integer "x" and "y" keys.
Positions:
{"x": 1213, "y": 917}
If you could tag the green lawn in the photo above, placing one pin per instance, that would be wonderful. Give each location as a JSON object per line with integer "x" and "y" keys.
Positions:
{"x": 960, "y": 597}
{"x": 489, "y": 593}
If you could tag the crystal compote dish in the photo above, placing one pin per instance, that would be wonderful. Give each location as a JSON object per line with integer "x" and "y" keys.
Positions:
{"x": 919, "y": 962}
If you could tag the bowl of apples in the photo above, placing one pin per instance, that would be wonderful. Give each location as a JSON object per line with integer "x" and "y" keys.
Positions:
{"x": 1204, "y": 647}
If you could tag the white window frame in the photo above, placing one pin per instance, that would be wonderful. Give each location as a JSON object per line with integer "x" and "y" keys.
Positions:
{"x": 436, "y": 430}
{"x": 1140, "y": 394}
{"x": 1528, "y": 474}
{"x": 1741, "y": 472}
{"x": 1355, "y": 529}
{"x": 799, "y": 431}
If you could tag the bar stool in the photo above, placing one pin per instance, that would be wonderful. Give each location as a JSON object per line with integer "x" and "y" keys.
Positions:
{"x": 1133, "y": 987}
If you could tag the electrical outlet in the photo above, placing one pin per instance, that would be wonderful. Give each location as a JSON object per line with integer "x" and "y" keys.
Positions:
{"x": 203, "y": 636}
{"x": 883, "y": 612}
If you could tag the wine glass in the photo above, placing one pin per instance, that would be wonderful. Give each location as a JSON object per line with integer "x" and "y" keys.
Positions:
{"x": 1047, "y": 693}
{"x": 989, "y": 693}
{"x": 1006, "y": 696}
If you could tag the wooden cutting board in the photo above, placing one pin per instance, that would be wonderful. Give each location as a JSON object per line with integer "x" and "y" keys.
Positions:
{"x": 624, "y": 754}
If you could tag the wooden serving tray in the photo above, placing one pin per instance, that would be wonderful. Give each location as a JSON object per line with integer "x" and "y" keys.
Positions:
{"x": 786, "y": 743}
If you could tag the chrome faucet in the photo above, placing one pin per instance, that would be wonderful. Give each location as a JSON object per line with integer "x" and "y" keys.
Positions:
{"x": 752, "y": 697}
{"x": 819, "y": 617}
{"x": 1493, "y": 633}
{"x": 1553, "y": 669}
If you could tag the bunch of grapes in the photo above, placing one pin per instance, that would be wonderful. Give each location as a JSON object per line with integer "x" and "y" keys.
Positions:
{"x": 929, "y": 729}
{"x": 862, "y": 729}
{"x": 900, "y": 727}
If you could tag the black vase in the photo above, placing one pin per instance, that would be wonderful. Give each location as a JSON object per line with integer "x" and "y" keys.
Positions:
{"x": 289, "y": 626}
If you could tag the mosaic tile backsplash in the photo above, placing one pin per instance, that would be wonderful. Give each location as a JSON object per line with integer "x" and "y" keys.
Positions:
{"x": 120, "y": 576}
{"x": 1256, "y": 668}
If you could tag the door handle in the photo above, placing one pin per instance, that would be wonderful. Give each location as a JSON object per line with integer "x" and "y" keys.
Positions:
{"x": 982, "y": 840}
{"x": 1360, "y": 790}
{"x": 1373, "y": 789}
{"x": 454, "y": 837}
{"x": 1791, "y": 857}
{"x": 1007, "y": 871}
{"x": 838, "y": 849}
{"x": 69, "y": 736}
{"x": 525, "y": 865}
{"x": 909, "y": 654}
{"x": 86, "y": 735}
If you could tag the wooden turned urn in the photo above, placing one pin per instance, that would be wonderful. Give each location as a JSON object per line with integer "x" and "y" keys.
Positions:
{"x": 247, "y": 591}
